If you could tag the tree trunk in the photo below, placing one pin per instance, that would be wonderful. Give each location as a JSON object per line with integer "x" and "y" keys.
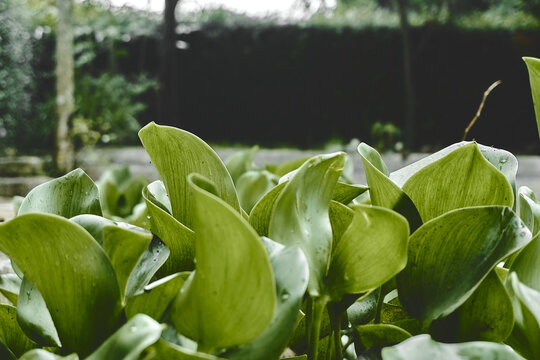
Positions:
{"x": 168, "y": 92}
{"x": 407, "y": 75}
{"x": 64, "y": 157}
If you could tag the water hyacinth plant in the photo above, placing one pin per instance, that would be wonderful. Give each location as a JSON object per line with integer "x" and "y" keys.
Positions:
{"x": 245, "y": 263}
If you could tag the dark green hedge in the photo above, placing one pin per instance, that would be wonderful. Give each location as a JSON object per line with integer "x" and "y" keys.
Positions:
{"x": 303, "y": 86}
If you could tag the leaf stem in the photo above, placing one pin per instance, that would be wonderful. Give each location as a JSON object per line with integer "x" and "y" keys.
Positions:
{"x": 378, "y": 310}
{"x": 314, "y": 324}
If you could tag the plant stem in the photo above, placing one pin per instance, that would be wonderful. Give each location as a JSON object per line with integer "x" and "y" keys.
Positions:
{"x": 380, "y": 302}
{"x": 314, "y": 325}
{"x": 337, "y": 344}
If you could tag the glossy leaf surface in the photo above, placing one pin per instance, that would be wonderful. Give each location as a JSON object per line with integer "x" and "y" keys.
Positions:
{"x": 34, "y": 316}
{"x": 176, "y": 154}
{"x": 71, "y": 271}
{"x": 370, "y": 252}
{"x": 533, "y": 65}
{"x": 379, "y": 335}
{"x": 230, "y": 298}
{"x": 164, "y": 350}
{"x": 487, "y": 315}
{"x": 252, "y": 186}
{"x": 40, "y": 354}
{"x": 128, "y": 342}
{"x": 156, "y": 297}
{"x": 179, "y": 239}
{"x": 11, "y": 334}
{"x": 422, "y": 347}
{"x": 124, "y": 248}
{"x": 383, "y": 191}
{"x": 291, "y": 275}
{"x": 241, "y": 162}
{"x": 526, "y": 304}
{"x": 450, "y": 255}
{"x": 463, "y": 178}
{"x": 70, "y": 195}
{"x": 300, "y": 215}
{"x": 9, "y": 287}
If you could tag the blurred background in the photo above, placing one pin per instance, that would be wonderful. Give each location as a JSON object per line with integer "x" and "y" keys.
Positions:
{"x": 402, "y": 75}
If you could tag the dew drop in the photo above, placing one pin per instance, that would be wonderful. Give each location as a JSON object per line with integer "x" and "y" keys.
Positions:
{"x": 284, "y": 296}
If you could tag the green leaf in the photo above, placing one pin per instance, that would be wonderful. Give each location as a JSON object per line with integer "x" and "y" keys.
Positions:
{"x": 34, "y": 316}
{"x": 463, "y": 178}
{"x": 125, "y": 248}
{"x": 70, "y": 195}
{"x": 363, "y": 310}
{"x": 252, "y": 186}
{"x": 179, "y": 239}
{"x": 372, "y": 250}
{"x": 422, "y": 347}
{"x": 533, "y": 65}
{"x": 300, "y": 214}
{"x": 291, "y": 273}
{"x": 526, "y": 304}
{"x": 5, "y": 353}
{"x": 230, "y": 298}
{"x": 93, "y": 224}
{"x": 11, "y": 334}
{"x": 261, "y": 213}
{"x": 120, "y": 191}
{"x": 9, "y": 286}
{"x": 241, "y": 162}
{"x": 345, "y": 193}
{"x": 527, "y": 262}
{"x": 383, "y": 191}
{"x": 379, "y": 335}
{"x": 450, "y": 255}
{"x": 130, "y": 340}
{"x": 487, "y": 315}
{"x": 176, "y": 154}
{"x": 156, "y": 297}
{"x": 71, "y": 271}
{"x": 163, "y": 350}
{"x": 287, "y": 167}
{"x": 40, "y": 354}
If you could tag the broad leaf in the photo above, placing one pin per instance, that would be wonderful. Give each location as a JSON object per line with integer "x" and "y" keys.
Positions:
{"x": 363, "y": 310}
{"x": 252, "y": 186}
{"x": 463, "y": 178}
{"x": 300, "y": 214}
{"x": 40, "y": 354}
{"x": 487, "y": 315}
{"x": 11, "y": 334}
{"x": 128, "y": 342}
{"x": 9, "y": 287}
{"x": 370, "y": 252}
{"x": 179, "y": 239}
{"x": 163, "y": 350}
{"x": 120, "y": 191}
{"x": 291, "y": 274}
{"x": 383, "y": 191}
{"x": 450, "y": 255}
{"x": 527, "y": 263}
{"x": 156, "y": 297}
{"x": 378, "y": 335}
{"x": 241, "y": 162}
{"x": 93, "y": 224}
{"x": 526, "y": 332}
{"x": 176, "y": 154}
{"x": 124, "y": 248}
{"x": 70, "y": 195}
{"x": 422, "y": 347}
{"x": 230, "y": 298}
{"x": 71, "y": 271}
{"x": 345, "y": 193}
{"x": 34, "y": 316}
{"x": 287, "y": 167}
{"x": 533, "y": 65}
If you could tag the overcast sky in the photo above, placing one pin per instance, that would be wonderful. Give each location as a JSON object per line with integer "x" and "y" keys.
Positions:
{"x": 251, "y": 7}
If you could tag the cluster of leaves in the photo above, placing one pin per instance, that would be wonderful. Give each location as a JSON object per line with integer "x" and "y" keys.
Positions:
{"x": 243, "y": 263}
